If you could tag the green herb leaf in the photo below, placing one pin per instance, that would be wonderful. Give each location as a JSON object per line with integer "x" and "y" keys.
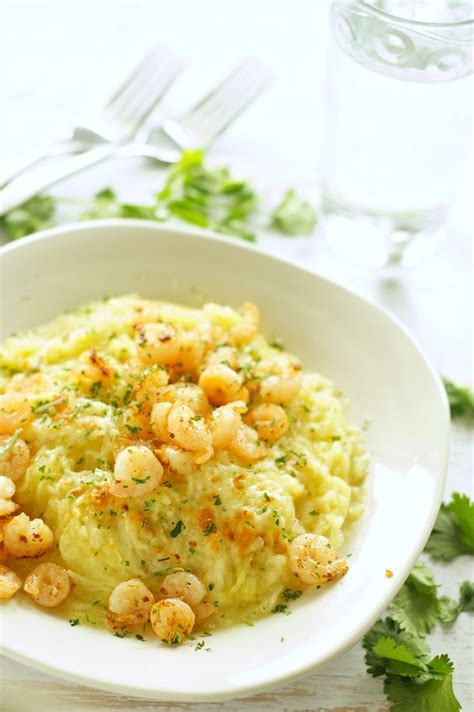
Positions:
{"x": 294, "y": 216}
{"x": 177, "y": 529}
{"x": 453, "y": 532}
{"x": 411, "y": 695}
{"x": 416, "y": 605}
{"x": 461, "y": 400}
{"x": 36, "y": 214}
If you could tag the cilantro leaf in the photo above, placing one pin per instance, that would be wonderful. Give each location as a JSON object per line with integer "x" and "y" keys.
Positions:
{"x": 36, "y": 214}
{"x": 416, "y": 605}
{"x": 453, "y": 532}
{"x": 398, "y": 659}
{"x": 294, "y": 216}
{"x": 461, "y": 400}
{"x": 466, "y": 597}
{"x": 389, "y": 628}
{"x": 412, "y": 695}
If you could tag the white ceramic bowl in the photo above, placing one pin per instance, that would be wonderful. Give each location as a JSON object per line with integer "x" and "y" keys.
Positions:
{"x": 355, "y": 343}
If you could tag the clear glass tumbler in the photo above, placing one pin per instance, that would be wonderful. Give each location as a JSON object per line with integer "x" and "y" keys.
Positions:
{"x": 398, "y": 116}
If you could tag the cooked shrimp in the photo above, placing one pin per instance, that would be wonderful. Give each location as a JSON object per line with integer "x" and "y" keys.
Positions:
{"x": 129, "y": 604}
{"x": 225, "y": 422}
{"x": 191, "y": 351}
{"x": 220, "y": 383}
{"x": 187, "y": 429}
{"x": 93, "y": 370}
{"x": 221, "y": 355}
{"x": 15, "y": 412}
{"x": 279, "y": 390}
{"x": 147, "y": 390}
{"x": 269, "y": 420}
{"x": 10, "y": 583}
{"x": 246, "y": 444}
{"x": 159, "y": 343}
{"x": 159, "y": 420}
{"x": 194, "y": 396}
{"x": 7, "y": 507}
{"x": 7, "y": 490}
{"x": 48, "y": 584}
{"x": 315, "y": 561}
{"x": 244, "y": 332}
{"x": 7, "y": 487}
{"x": 137, "y": 472}
{"x": 172, "y": 620}
{"x": 185, "y": 586}
{"x": 27, "y": 539}
{"x": 176, "y": 460}
{"x": 15, "y": 462}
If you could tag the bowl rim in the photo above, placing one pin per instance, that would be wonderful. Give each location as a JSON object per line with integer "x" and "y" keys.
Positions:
{"x": 235, "y": 690}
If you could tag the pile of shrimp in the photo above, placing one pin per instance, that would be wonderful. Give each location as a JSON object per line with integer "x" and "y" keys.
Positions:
{"x": 191, "y": 394}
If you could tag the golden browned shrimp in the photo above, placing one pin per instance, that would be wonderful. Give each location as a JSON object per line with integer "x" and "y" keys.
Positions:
{"x": 221, "y": 355}
{"x": 225, "y": 422}
{"x": 246, "y": 444}
{"x": 14, "y": 457}
{"x": 172, "y": 620}
{"x": 15, "y": 412}
{"x": 48, "y": 584}
{"x": 129, "y": 604}
{"x": 137, "y": 472}
{"x": 269, "y": 420}
{"x": 176, "y": 460}
{"x": 244, "y": 332}
{"x": 7, "y": 490}
{"x": 159, "y": 420}
{"x": 27, "y": 539}
{"x": 188, "y": 430}
{"x": 185, "y": 586}
{"x": 159, "y": 343}
{"x": 314, "y": 560}
{"x": 220, "y": 383}
{"x": 10, "y": 583}
{"x": 147, "y": 390}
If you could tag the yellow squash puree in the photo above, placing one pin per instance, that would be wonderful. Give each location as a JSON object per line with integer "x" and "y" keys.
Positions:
{"x": 228, "y": 521}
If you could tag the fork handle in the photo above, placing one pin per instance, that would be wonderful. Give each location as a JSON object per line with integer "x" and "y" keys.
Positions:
{"x": 60, "y": 148}
{"x": 21, "y": 189}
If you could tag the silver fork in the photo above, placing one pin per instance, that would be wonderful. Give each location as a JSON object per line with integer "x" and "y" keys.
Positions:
{"x": 197, "y": 128}
{"x": 124, "y": 113}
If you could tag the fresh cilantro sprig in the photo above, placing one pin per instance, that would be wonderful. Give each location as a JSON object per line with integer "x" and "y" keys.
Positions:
{"x": 453, "y": 532}
{"x": 193, "y": 192}
{"x": 461, "y": 400}
{"x": 396, "y": 646}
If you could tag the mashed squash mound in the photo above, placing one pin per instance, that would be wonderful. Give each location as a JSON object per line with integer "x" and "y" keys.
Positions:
{"x": 229, "y": 496}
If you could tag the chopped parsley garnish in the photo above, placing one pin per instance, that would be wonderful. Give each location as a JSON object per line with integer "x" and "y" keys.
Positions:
{"x": 74, "y": 621}
{"x": 177, "y": 529}
{"x": 211, "y": 528}
{"x": 140, "y": 480}
{"x": 217, "y": 500}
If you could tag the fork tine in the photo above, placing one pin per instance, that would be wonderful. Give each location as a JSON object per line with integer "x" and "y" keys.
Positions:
{"x": 144, "y": 88}
{"x": 213, "y": 114}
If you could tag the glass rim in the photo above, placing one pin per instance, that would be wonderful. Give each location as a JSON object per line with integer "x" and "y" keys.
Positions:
{"x": 419, "y": 23}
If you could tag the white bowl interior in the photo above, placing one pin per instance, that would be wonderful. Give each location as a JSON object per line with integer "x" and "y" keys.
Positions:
{"x": 361, "y": 348}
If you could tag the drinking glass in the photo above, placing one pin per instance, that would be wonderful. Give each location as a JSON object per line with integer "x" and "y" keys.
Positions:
{"x": 398, "y": 119}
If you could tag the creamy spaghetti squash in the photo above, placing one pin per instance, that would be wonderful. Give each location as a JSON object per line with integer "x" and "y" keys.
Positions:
{"x": 165, "y": 468}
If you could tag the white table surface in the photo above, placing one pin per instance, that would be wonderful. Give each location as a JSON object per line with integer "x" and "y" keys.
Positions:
{"x": 61, "y": 59}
